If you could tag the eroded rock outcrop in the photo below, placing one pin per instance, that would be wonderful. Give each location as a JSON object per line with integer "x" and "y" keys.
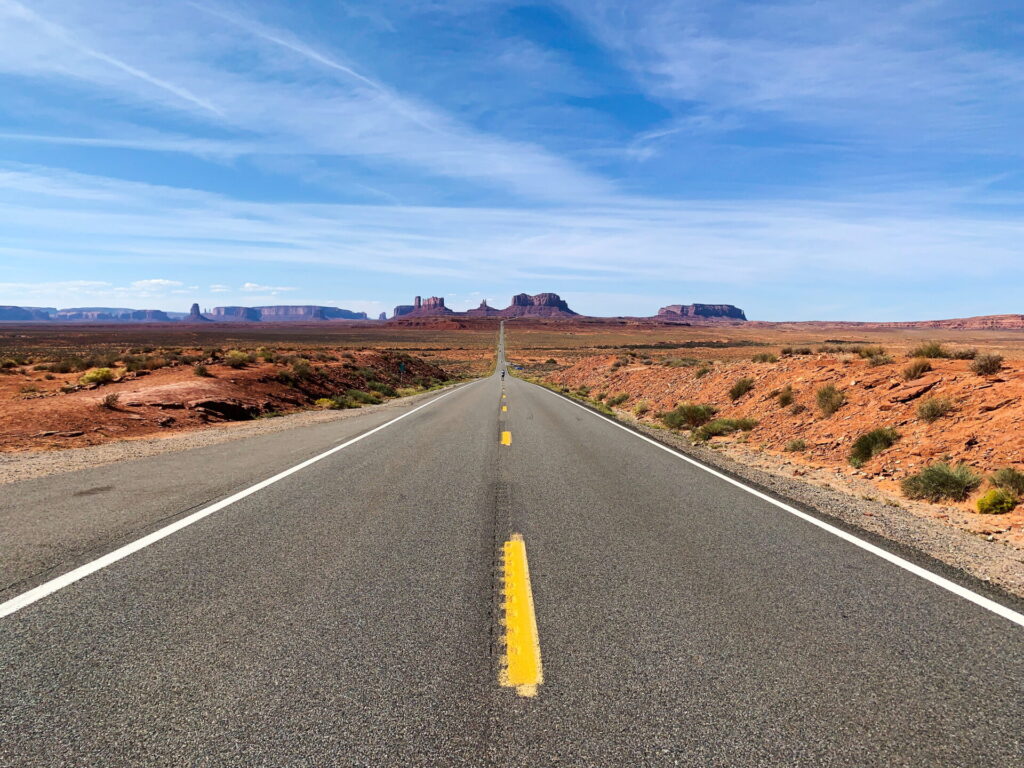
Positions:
{"x": 701, "y": 312}
{"x": 541, "y": 305}
{"x": 195, "y": 316}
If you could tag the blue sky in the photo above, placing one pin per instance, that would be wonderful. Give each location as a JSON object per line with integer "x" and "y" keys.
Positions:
{"x": 803, "y": 160}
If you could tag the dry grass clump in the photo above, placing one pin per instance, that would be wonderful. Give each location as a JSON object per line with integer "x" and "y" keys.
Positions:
{"x": 940, "y": 481}
{"x": 740, "y": 387}
{"x": 97, "y": 376}
{"x": 930, "y": 349}
{"x": 765, "y": 357}
{"x": 785, "y": 396}
{"x": 688, "y": 416}
{"x": 795, "y": 446}
{"x": 916, "y": 370}
{"x": 986, "y": 365}
{"x": 720, "y": 427}
{"x": 872, "y": 443}
{"x": 829, "y": 399}
{"x": 934, "y": 408}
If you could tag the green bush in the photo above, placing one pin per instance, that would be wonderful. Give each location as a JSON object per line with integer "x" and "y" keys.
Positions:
{"x": 786, "y": 351}
{"x": 963, "y": 354}
{"x": 324, "y": 402}
{"x": 384, "y": 389}
{"x": 688, "y": 416}
{"x": 740, "y": 387}
{"x": 110, "y": 401}
{"x": 301, "y": 369}
{"x": 720, "y": 427}
{"x": 702, "y": 372}
{"x": 931, "y": 349}
{"x": 641, "y": 408}
{"x": 366, "y": 398}
{"x": 868, "y": 352}
{"x": 97, "y": 376}
{"x": 786, "y": 396}
{"x": 876, "y": 360}
{"x": 765, "y": 357}
{"x": 916, "y": 370}
{"x": 794, "y": 446}
{"x": 829, "y": 399}
{"x": 940, "y": 481}
{"x": 934, "y": 408}
{"x": 986, "y": 365}
{"x": 872, "y": 443}
{"x": 1008, "y": 479}
{"x": 201, "y": 370}
{"x": 997, "y": 502}
{"x": 802, "y": 350}
{"x": 236, "y": 358}
{"x": 617, "y": 399}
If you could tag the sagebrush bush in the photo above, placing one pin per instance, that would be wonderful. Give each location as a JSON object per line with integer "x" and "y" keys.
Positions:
{"x": 785, "y": 396}
{"x": 765, "y": 357}
{"x": 877, "y": 360}
{"x": 802, "y": 350}
{"x": 740, "y": 387}
{"x": 201, "y": 370}
{"x": 236, "y": 358}
{"x": 702, "y": 372}
{"x": 872, "y": 443}
{"x": 986, "y": 365}
{"x": 829, "y": 399}
{"x": 324, "y": 402}
{"x": 940, "y": 481}
{"x": 97, "y": 376}
{"x": 794, "y": 446}
{"x": 930, "y": 349}
{"x": 868, "y": 352}
{"x": 359, "y": 396}
{"x": 934, "y": 408}
{"x": 688, "y": 416}
{"x": 617, "y": 399}
{"x": 963, "y": 354}
{"x": 997, "y": 502}
{"x": 916, "y": 370}
{"x": 384, "y": 389}
{"x": 1009, "y": 479}
{"x": 720, "y": 427}
{"x": 110, "y": 401}
{"x": 641, "y": 408}
{"x": 786, "y": 351}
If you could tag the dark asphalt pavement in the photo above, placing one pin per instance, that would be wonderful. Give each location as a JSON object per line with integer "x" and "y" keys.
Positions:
{"x": 348, "y": 614}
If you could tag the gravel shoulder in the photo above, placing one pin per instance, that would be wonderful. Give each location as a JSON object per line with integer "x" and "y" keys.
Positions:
{"x": 32, "y": 464}
{"x": 992, "y": 563}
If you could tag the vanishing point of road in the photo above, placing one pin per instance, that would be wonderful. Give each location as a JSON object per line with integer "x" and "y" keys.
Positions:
{"x": 496, "y": 577}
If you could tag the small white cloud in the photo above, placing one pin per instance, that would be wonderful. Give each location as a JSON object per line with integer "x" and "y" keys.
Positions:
{"x": 257, "y": 288}
{"x": 219, "y": 289}
{"x": 155, "y": 284}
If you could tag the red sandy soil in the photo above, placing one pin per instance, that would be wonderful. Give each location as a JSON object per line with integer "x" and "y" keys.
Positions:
{"x": 984, "y": 431}
{"x": 172, "y": 399}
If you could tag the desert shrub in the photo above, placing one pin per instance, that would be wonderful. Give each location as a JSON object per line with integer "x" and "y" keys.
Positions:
{"x": 940, "y": 481}
{"x": 324, "y": 402}
{"x": 740, "y": 387}
{"x": 765, "y": 357}
{"x": 301, "y": 369}
{"x": 702, "y": 372}
{"x": 366, "y": 398}
{"x": 109, "y": 401}
{"x": 720, "y": 427}
{"x": 802, "y": 350}
{"x": 930, "y": 349}
{"x": 963, "y": 354}
{"x": 201, "y": 370}
{"x": 868, "y": 352}
{"x": 688, "y": 416}
{"x": 641, "y": 408}
{"x": 794, "y": 446}
{"x": 785, "y": 396}
{"x": 872, "y": 443}
{"x": 236, "y": 358}
{"x": 583, "y": 390}
{"x": 1008, "y": 479}
{"x": 997, "y": 502}
{"x": 916, "y": 369}
{"x": 551, "y": 361}
{"x": 617, "y": 399}
{"x": 680, "y": 362}
{"x": 797, "y": 408}
{"x": 829, "y": 399}
{"x": 877, "y": 360}
{"x": 600, "y": 395}
{"x": 986, "y": 365}
{"x": 97, "y": 376}
{"x": 786, "y": 351}
{"x": 934, "y": 408}
{"x": 384, "y": 389}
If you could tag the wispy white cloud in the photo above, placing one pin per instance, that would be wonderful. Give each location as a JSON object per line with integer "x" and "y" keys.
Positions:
{"x": 156, "y": 284}
{"x": 271, "y": 289}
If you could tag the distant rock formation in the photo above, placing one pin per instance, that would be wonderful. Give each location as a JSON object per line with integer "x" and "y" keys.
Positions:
{"x": 382, "y": 316}
{"x": 541, "y": 305}
{"x": 22, "y": 315}
{"x": 236, "y": 314}
{"x": 484, "y": 310}
{"x": 701, "y": 312}
{"x": 195, "y": 316}
{"x": 429, "y": 307}
{"x": 287, "y": 313}
{"x": 403, "y": 309}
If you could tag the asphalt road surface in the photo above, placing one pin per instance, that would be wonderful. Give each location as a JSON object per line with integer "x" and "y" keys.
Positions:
{"x": 356, "y": 611}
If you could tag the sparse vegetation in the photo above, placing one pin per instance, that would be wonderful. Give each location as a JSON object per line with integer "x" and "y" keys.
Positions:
{"x": 785, "y": 396}
{"x": 721, "y": 427}
{"x": 765, "y": 357}
{"x": 829, "y": 399}
{"x": 236, "y": 358}
{"x": 617, "y": 399}
{"x": 110, "y": 400}
{"x": 916, "y": 370}
{"x": 795, "y": 446}
{"x": 940, "y": 481}
{"x": 934, "y": 408}
{"x": 1008, "y": 479}
{"x": 740, "y": 387}
{"x": 641, "y": 408}
{"x": 930, "y": 349}
{"x": 201, "y": 370}
{"x": 702, "y": 372}
{"x": 880, "y": 359}
{"x": 963, "y": 354}
{"x": 688, "y": 416}
{"x": 872, "y": 443}
{"x": 97, "y": 376}
{"x": 997, "y": 502}
{"x": 986, "y": 365}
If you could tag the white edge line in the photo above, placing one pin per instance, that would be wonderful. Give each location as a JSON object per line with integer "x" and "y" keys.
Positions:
{"x": 924, "y": 573}
{"x": 48, "y": 588}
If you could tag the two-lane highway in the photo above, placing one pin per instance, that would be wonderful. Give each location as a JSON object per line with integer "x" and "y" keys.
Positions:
{"x": 500, "y": 577}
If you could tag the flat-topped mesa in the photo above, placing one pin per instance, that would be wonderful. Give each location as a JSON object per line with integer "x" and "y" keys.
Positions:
{"x": 299, "y": 312}
{"x": 701, "y": 312}
{"x": 236, "y": 314}
{"x": 541, "y": 305}
{"x": 9, "y": 314}
{"x": 432, "y": 306}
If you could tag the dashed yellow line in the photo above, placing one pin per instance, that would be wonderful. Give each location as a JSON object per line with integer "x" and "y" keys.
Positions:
{"x": 506, "y": 438}
{"x": 504, "y": 408}
{"x": 521, "y": 666}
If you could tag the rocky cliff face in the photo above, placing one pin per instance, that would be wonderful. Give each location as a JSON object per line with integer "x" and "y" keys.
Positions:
{"x": 195, "y": 316}
{"x": 236, "y": 314}
{"x": 701, "y": 312}
{"x": 432, "y": 306}
{"x": 22, "y": 314}
{"x": 541, "y": 305}
{"x": 289, "y": 313}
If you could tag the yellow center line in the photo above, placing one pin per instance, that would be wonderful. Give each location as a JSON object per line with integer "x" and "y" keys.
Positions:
{"x": 521, "y": 667}
{"x": 504, "y": 408}
{"x": 506, "y": 438}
